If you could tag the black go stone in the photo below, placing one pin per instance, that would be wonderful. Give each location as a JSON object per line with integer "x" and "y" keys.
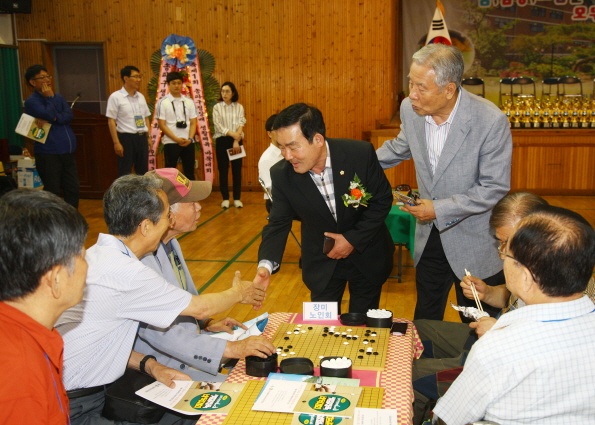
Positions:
{"x": 290, "y": 346}
{"x": 368, "y": 353}
{"x": 286, "y": 338}
{"x": 372, "y": 340}
{"x": 310, "y": 328}
{"x": 375, "y": 353}
{"x": 360, "y": 357}
{"x": 361, "y": 350}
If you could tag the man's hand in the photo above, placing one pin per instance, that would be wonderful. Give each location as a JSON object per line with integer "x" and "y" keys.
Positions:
{"x": 484, "y": 325}
{"x": 39, "y": 122}
{"x": 119, "y": 149}
{"x": 342, "y": 248}
{"x": 257, "y": 346}
{"x": 46, "y": 90}
{"x": 251, "y": 292}
{"x": 183, "y": 142}
{"x": 224, "y": 325}
{"x": 263, "y": 277}
{"x": 164, "y": 374}
{"x": 482, "y": 288}
{"x": 424, "y": 211}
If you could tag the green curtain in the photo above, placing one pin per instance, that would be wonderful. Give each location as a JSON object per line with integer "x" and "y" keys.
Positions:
{"x": 11, "y": 97}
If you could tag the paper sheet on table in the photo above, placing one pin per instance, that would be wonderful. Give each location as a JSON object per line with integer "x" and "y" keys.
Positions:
{"x": 365, "y": 416}
{"x": 194, "y": 397}
{"x": 255, "y": 327}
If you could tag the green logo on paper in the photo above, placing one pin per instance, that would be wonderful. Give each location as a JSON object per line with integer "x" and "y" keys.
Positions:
{"x": 307, "y": 419}
{"x": 210, "y": 401}
{"x": 37, "y": 133}
{"x": 329, "y": 403}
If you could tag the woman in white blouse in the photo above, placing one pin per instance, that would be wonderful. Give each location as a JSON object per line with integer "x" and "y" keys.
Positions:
{"x": 229, "y": 120}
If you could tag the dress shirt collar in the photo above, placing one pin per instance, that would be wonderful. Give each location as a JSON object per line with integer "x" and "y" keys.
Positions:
{"x": 327, "y": 162}
{"x": 430, "y": 119}
{"x": 125, "y": 93}
{"x": 547, "y": 312}
{"x": 113, "y": 242}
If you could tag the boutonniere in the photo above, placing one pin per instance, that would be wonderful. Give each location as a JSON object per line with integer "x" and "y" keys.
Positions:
{"x": 357, "y": 194}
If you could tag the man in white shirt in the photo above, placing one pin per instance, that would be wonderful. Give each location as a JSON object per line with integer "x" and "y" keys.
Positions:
{"x": 99, "y": 332}
{"x": 176, "y": 115}
{"x": 128, "y": 120}
{"x": 269, "y": 157}
{"x": 535, "y": 364}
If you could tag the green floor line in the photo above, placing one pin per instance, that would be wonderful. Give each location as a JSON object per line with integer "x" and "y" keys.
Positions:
{"x": 229, "y": 263}
{"x": 237, "y": 261}
{"x": 201, "y": 224}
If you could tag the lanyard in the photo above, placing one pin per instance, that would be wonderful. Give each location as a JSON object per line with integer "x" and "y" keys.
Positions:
{"x": 183, "y": 106}
{"x": 56, "y": 389}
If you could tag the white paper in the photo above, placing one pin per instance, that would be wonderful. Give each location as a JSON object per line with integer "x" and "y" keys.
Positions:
{"x": 236, "y": 156}
{"x": 280, "y": 396}
{"x": 239, "y": 333}
{"x": 364, "y": 416}
{"x": 164, "y": 396}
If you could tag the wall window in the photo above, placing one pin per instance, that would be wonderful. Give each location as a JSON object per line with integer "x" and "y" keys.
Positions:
{"x": 538, "y": 11}
{"x": 537, "y": 27}
{"x": 556, "y": 14}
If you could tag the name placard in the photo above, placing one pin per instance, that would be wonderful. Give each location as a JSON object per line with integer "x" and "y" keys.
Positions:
{"x": 320, "y": 311}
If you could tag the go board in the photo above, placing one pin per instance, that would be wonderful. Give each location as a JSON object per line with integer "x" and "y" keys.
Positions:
{"x": 242, "y": 414}
{"x": 366, "y": 347}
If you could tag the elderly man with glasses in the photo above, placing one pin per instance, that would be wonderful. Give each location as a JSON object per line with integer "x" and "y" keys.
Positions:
{"x": 182, "y": 346}
{"x": 535, "y": 364}
{"x": 54, "y": 159}
{"x": 121, "y": 292}
{"x": 447, "y": 344}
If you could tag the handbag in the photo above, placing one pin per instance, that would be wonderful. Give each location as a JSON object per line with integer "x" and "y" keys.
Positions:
{"x": 122, "y": 404}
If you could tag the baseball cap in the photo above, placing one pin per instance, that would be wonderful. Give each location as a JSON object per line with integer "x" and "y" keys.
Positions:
{"x": 178, "y": 188}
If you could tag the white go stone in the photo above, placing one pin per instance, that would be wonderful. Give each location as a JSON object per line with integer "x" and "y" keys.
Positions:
{"x": 379, "y": 314}
{"x": 338, "y": 363}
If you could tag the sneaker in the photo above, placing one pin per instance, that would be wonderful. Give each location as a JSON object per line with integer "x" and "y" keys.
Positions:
{"x": 237, "y": 203}
{"x": 225, "y": 204}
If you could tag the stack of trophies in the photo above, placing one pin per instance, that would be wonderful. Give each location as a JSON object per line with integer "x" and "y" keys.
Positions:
{"x": 567, "y": 113}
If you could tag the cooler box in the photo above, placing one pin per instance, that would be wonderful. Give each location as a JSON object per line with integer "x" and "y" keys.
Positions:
{"x": 28, "y": 175}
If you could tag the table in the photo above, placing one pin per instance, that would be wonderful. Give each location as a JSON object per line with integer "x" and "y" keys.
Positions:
{"x": 395, "y": 379}
{"x": 401, "y": 226}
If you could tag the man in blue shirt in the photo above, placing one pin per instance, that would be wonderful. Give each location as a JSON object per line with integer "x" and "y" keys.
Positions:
{"x": 54, "y": 159}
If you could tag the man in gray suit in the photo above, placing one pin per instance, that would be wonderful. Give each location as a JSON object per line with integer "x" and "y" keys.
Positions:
{"x": 462, "y": 148}
{"x": 182, "y": 346}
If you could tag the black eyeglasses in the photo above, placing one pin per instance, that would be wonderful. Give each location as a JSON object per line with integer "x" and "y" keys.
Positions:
{"x": 502, "y": 255}
{"x": 45, "y": 77}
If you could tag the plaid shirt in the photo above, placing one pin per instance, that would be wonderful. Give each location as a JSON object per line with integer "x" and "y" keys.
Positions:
{"x": 324, "y": 183}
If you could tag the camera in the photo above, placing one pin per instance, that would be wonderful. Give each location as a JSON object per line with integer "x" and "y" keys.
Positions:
{"x": 181, "y": 124}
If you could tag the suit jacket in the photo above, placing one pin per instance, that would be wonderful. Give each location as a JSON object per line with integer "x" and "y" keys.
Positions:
{"x": 472, "y": 174}
{"x": 363, "y": 227}
{"x": 180, "y": 346}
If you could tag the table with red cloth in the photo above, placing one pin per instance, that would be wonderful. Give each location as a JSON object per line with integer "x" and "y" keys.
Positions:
{"x": 395, "y": 379}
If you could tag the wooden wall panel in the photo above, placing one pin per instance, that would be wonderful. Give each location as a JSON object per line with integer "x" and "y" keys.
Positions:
{"x": 340, "y": 56}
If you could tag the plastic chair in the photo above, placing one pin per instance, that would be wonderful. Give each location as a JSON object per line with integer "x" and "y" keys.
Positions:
{"x": 270, "y": 195}
{"x": 523, "y": 81}
{"x": 477, "y": 82}
{"x": 571, "y": 81}
{"x": 508, "y": 81}
{"x": 551, "y": 82}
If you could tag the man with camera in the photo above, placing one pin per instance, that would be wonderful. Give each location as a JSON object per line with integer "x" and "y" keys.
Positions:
{"x": 177, "y": 120}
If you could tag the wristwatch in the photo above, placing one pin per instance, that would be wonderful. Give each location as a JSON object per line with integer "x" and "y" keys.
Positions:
{"x": 143, "y": 361}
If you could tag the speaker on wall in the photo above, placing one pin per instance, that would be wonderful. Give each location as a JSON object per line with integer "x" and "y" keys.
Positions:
{"x": 15, "y": 6}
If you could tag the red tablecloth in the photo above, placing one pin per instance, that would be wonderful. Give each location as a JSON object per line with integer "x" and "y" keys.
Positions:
{"x": 395, "y": 379}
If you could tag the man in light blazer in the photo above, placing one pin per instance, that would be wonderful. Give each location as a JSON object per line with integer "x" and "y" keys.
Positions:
{"x": 310, "y": 182}
{"x": 462, "y": 148}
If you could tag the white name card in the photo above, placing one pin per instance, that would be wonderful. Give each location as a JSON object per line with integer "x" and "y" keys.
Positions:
{"x": 320, "y": 311}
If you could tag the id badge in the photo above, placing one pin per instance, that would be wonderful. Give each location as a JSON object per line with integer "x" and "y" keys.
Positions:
{"x": 139, "y": 121}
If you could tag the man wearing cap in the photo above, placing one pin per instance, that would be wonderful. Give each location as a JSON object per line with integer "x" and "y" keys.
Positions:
{"x": 121, "y": 292}
{"x": 181, "y": 346}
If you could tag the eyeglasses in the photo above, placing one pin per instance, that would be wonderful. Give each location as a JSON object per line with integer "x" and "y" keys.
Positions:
{"x": 137, "y": 77}
{"x": 503, "y": 255}
{"x": 501, "y": 246}
{"x": 45, "y": 77}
